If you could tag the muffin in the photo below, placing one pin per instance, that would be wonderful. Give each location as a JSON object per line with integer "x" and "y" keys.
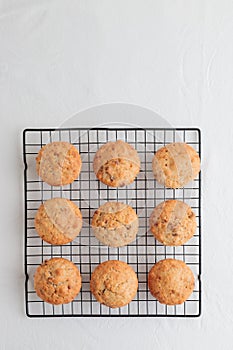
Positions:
{"x": 171, "y": 281}
{"x": 114, "y": 283}
{"x": 57, "y": 281}
{"x": 175, "y": 165}
{"x": 173, "y": 223}
{"x": 115, "y": 224}
{"x": 116, "y": 164}
{"x": 58, "y": 163}
{"x": 58, "y": 221}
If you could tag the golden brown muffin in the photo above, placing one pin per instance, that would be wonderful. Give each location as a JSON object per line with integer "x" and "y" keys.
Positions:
{"x": 175, "y": 165}
{"x": 58, "y": 163}
{"x": 173, "y": 223}
{"x": 115, "y": 224}
{"x": 58, "y": 221}
{"x": 57, "y": 281}
{"x": 116, "y": 164}
{"x": 171, "y": 281}
{"x": 114, "y": 283}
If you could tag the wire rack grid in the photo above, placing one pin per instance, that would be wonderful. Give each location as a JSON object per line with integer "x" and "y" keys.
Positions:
{"x": 88, "y": 193}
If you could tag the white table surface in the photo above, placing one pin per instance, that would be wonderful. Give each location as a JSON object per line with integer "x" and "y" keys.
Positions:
{"x": 173, "y": 57}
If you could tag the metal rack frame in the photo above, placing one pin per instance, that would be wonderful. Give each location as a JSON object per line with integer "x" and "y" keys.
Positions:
{"x": 88, "y": 193}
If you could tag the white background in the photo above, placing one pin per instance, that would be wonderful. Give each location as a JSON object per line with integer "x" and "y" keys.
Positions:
{"x": 174, "y": 57}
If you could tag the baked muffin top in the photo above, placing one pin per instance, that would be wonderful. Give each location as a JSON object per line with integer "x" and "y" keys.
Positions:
{"x": 58, "y": 163}
{"x": 114, "y": 283}
{"x": 57, "y": 281}
{"x": 116, "y": 164}
{"x": 175, "y": 165}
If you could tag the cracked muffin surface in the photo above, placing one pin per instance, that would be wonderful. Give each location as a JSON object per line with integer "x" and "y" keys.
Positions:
{"x": 58, "y": 163}
{"x": 171, "y": 281}
{"x": 58, "y": 221}
{"x": 173, "y": 222}
{"x": 57, "y": 281}
{"x": 115, "y": 224}
{"x": 114, "y": 283}
{"x": 116, "y": 164}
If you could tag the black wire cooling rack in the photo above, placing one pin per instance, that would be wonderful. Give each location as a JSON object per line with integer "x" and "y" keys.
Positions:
{"x": 88, "y": 193}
